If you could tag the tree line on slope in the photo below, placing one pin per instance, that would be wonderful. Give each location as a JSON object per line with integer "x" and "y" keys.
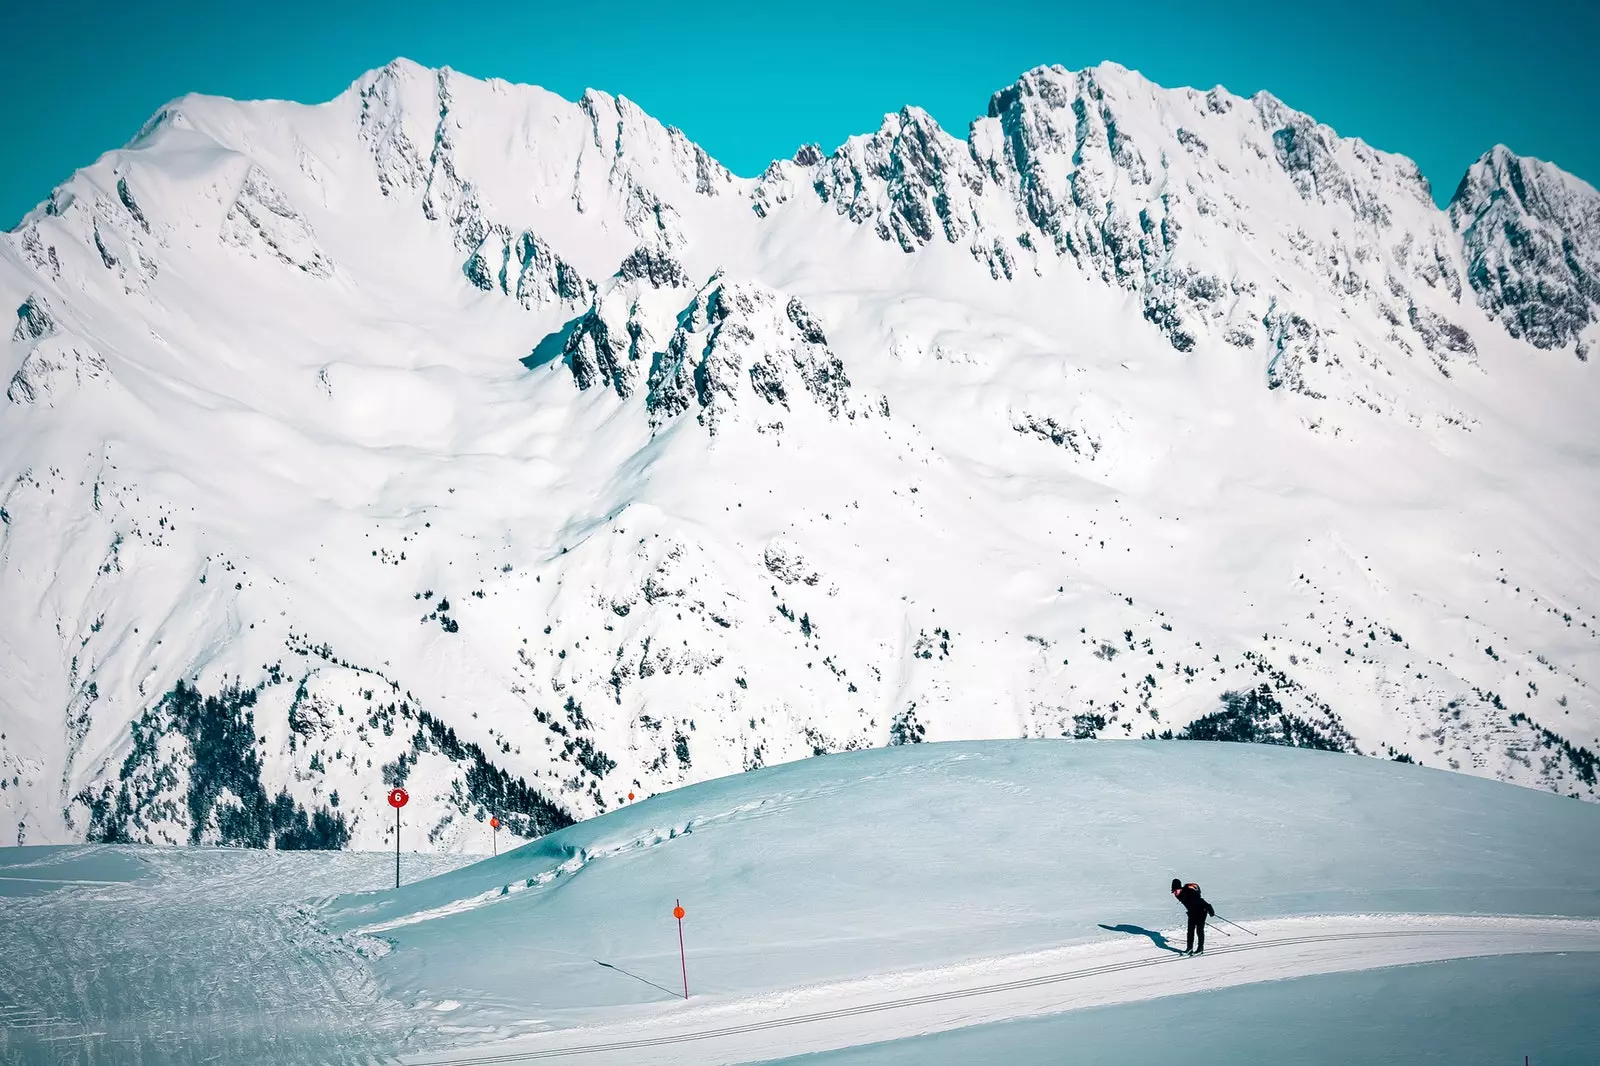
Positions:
{"x": 224, "y": 781}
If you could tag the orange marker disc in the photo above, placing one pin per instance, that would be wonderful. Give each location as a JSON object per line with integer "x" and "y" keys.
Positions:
{"x": 630, "y": 795}
{"x": 494, "y": 823}
{"x": 677, "y": 912}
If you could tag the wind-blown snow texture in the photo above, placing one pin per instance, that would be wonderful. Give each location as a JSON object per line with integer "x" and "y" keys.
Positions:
{"x": 457, "y": 435}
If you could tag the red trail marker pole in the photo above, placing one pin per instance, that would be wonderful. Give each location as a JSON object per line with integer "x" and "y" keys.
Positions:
{"x": 494, "y": 823}
{"x": 397, "y": 799}
{"x": 683, "y": 960}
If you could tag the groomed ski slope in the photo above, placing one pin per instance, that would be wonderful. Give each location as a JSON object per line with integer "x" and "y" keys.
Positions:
{"x": 912, "y": 876}
{"x": 892, "y": 905}
{"x": 172, "y": 956}
{"x": 898, "y": 1007}
{"x": 1502, "y": 1009}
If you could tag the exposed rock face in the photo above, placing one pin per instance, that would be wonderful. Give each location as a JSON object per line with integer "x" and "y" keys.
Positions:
{"x": 1054, "y": 141}
{"x": 600, "y": 354}
{"x": 54, "y": 367}
{"x": 911, "y": 181}
{"x": 732, "y": 341}
{"x": 738, "y": 339}
{"x": 612, "y": 344}
{"x": 501, "y": 257}
{"x": 33, "y": 320}
{"x": 397, "y": 163}
{"x": 1532, "y": 239}
{"x": 263, "y": 222}
{"x": 1326, "y": 169}
{"x": 1076, "y": 439}
{"x": 632, "y": 142}
{"x": 527, "y": 268}
{"x": 652, "y": 265}
{"x": 1142, "y": 188}
{"x": 447, "y": 196}
{"x": 614, "y": 341}
{"x": 1439, "y": 335}
{"x": 1298, "y": 349}
{"x": 1137, "y": 186}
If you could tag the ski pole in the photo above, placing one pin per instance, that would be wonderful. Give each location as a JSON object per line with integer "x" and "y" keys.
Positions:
{"x": 1236, "y": 925}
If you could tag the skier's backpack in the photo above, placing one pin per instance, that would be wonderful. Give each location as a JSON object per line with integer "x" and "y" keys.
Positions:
{"x": 1192, "y": 885}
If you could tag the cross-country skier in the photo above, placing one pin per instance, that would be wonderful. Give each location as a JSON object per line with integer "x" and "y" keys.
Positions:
{"x": 1198, "y": 908}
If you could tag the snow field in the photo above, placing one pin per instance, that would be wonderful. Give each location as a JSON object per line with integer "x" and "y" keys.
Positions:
{"x": 831, "y": 903}
{"x": 851, "y": 881}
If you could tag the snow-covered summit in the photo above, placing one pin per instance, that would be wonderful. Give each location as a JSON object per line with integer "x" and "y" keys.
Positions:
{"x": 1156, "y": 192}
{"x": 454, "y": 434}
{"x": 1532, "y": 237}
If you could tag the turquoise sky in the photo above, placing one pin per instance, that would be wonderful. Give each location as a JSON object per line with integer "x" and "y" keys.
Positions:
{"x": 750, "y": 81}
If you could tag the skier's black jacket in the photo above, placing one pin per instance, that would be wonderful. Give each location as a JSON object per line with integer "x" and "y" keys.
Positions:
{"x": 1189, "y": 896}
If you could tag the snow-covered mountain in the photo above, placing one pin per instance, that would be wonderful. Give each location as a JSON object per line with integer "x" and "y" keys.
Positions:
{"x": 457, "y": 435}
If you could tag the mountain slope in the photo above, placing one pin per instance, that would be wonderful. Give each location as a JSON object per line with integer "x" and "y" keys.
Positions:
{"x": 456, "y": 435}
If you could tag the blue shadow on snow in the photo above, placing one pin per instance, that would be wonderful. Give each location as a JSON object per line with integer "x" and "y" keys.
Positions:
{"x": 1156, "y": 938}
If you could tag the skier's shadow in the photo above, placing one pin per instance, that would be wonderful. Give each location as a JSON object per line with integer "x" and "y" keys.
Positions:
{"x": 1156, "y": 938}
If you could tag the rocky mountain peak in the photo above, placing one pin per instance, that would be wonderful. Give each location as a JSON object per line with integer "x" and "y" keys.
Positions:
{"x": 739, "y": 342}
{"x": 911, "y": 181}
{"x": 1532, "y": 238}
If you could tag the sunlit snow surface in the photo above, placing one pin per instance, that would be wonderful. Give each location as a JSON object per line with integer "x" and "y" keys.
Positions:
{"x": 1467, "y": 1011}
{"x": 857, "y": 878}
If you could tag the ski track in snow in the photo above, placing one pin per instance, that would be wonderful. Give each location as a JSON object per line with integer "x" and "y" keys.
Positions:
{"x": 1102, "y": 973}
{"x": 580, "y": 859}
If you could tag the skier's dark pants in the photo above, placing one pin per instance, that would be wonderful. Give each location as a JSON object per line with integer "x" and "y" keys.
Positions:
{"x": 1197, "y": 929}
